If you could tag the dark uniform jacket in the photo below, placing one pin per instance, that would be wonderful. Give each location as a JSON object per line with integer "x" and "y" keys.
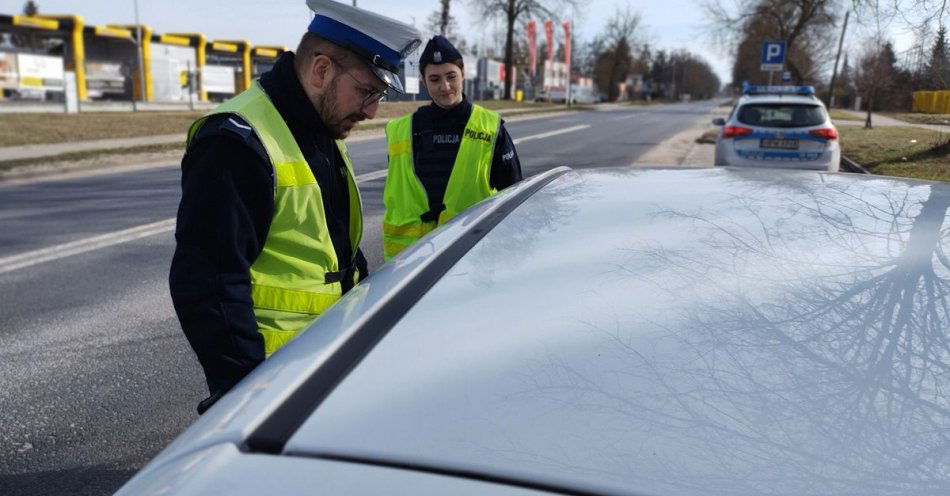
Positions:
{"x": 436, "y": 137}
{"x": 225, "y": 212}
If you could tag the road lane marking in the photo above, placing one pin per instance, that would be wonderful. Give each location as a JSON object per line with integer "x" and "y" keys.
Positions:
{"x": 43, "y": 255}
{"x": 631, "y": 116}
{"x": 369, "y": 176}
{"x": 552, "y": 133}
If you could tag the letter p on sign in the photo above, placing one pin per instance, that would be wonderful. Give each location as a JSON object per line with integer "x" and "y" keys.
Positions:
{"x": 773, "y": 55}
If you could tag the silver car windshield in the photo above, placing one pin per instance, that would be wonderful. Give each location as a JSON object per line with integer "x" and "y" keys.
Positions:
{"x": 781, "y": 115}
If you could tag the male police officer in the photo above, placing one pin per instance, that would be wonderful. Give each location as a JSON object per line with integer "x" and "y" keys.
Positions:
{"x": 270, "y": 218}
{"x": 445, "y": 157}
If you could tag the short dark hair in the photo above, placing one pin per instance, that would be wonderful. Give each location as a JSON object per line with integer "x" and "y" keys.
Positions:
{"x": 459, "y": 63}
{"x": 311, "y": 44}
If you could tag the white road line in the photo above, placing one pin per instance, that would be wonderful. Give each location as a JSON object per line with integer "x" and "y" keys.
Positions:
{"x": 35, "y": 257}
{"x": 369, "y": 176}
{"x": 631, "y": 116}
{"x": 43, "y": 255}
{"x": 552, "y": 133}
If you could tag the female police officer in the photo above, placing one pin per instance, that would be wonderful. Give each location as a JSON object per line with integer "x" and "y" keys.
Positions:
{"x": 445, "y": 157}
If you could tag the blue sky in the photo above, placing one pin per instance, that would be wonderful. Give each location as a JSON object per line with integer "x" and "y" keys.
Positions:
{"x": 668, "y": 24}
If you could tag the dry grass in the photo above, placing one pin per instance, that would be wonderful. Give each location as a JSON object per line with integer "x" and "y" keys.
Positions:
{"x": 840, "y": 115}
{"x": 7, "y": 165}
{"x": 899, "y": 151}
{"x": 36, "y": 129}
{"x": 708, "y": 137}
{"x": 915, "y": 118}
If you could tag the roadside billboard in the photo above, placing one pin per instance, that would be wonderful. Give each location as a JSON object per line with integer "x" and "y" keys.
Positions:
{"x": 219, "y": 79}
{"x": 170, "y": 66}
{"x": 107, "y": 79}
{"x": 40, "y": 72}
{"x": 9, "y": 78}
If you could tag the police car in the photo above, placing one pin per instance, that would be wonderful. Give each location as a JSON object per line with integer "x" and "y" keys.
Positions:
{"x": 778, "y": 126}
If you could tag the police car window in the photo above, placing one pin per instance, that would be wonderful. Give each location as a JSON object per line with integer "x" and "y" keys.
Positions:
{"x": 781, "y": 115}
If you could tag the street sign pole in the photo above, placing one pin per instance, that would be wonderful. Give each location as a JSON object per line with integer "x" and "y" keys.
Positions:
{"x": 773, "y": 58}
{"x": 139, "y": 45}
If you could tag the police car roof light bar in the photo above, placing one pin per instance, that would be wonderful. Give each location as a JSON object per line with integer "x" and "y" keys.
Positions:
{"x": 752, "y": 89}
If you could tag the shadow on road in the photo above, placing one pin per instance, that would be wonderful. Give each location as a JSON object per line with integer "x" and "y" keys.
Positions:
{"x": 85, "y": 481}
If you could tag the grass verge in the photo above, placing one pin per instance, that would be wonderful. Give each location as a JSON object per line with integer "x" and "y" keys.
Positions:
{"x": 840, "y": 115}
{"x": 38, "y": 129}
{"x": 7, "y": 165}
{"x": 899, "y": 151}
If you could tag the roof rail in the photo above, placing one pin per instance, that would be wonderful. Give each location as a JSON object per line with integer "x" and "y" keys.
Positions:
{"x": 273, "y": 432}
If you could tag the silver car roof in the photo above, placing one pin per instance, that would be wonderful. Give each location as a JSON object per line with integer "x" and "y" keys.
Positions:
{"x": 635, "y": 332}
{"x": 624, "y": 333}
{"x": 797, "y": 99}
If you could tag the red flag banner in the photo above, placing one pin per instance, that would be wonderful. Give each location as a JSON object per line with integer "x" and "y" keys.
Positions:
{"x": 567, "y": 44}
{"x": 533, "y": 47}
{"x": 549, "y": 37}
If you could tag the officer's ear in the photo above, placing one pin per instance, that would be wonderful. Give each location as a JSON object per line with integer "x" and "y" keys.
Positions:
{"x": 321, "y": 71}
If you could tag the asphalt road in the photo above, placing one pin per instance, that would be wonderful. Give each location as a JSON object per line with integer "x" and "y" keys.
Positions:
{"x": 95, "y": 374}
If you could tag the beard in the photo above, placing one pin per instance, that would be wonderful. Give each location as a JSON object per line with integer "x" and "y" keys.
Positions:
{"x": 328, "y": 108}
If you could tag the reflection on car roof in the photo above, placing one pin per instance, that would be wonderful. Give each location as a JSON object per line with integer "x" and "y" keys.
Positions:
{"x": 620, "y": 333}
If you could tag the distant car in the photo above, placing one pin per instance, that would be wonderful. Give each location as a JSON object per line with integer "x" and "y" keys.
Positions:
{"x": 703, "y": 332}
{"x": 579, "y": 95}
{"x": 778, "y": 126}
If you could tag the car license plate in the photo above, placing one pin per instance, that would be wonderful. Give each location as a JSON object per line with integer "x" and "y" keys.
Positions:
{"x": 783, "y": 144}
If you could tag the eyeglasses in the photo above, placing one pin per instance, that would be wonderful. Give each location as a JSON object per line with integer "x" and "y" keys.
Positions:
{"x": 370, "y": 96}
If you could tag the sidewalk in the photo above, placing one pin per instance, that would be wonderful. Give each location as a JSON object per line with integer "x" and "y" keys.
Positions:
{"x": 51, "y": 150}
{"x": 883, "y": 120}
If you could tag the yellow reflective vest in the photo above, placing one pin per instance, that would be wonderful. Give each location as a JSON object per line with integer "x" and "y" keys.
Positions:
{"x": 405, "y": 196}
{"x": 297, "y": 275}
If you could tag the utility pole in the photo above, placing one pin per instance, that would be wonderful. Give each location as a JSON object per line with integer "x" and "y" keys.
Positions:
{"x": 138, "y": 41}
{"x": 834, "y": 72}
{"x": 354, "y": 3}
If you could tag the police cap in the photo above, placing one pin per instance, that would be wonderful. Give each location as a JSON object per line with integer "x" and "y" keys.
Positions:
{"x": 380, "y": 42}
{"x": 438, "y": 50}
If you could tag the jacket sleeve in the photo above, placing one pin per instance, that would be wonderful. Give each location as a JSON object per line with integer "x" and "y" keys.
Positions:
{"x": 223, "y": 219}
{"x": 505, "y": 167}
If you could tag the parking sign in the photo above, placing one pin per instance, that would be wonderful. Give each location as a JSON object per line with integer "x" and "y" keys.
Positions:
{"x": 773, "y": 55}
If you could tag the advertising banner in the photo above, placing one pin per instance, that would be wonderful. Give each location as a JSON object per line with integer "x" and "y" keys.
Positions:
{"x": 8, "y": 71}
{"x": 532, "y": 47}
{"x": 106, "y": 78}
{"x": 549, "y": 37}
{"x": 40, "y": 72}
{"x": 567, "y": 44}
{"x": 170, "y": 66}
{"x": 218, "y": 79}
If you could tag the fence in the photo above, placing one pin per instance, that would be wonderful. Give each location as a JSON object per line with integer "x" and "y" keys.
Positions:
{"x": 932, "y": 102}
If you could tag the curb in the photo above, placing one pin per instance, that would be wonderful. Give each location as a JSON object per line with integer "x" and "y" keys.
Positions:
{"x": 849, "y": 165}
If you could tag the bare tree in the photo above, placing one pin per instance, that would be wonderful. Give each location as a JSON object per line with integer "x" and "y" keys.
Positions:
{"x": 512, "y": 11}
{"x": 616, "y": 60}
{"x": 441, "y": 22}
{"x": 875, "y": 70}
{"x": 31, "y": 8}
{"x": 804, "y": 25}
{"x": 444, "y": 17}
